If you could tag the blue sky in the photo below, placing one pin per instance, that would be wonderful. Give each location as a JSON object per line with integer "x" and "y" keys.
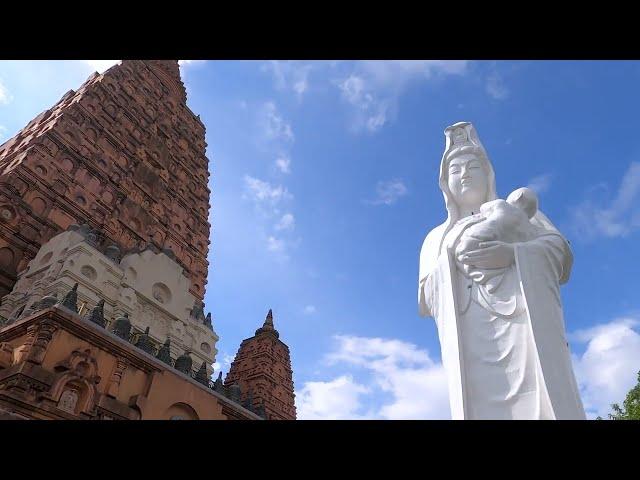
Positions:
{"x": 324, "y": 184}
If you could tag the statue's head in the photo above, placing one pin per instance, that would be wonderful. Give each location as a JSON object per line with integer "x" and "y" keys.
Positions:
{"x": 466, "y": 175}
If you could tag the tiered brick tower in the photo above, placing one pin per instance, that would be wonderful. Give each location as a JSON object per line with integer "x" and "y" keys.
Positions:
{"x": 262, "y": 369}
{"x": 124, "y": 154}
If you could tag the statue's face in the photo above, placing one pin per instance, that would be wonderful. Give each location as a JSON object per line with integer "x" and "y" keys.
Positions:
{"x": 468, "y": 181}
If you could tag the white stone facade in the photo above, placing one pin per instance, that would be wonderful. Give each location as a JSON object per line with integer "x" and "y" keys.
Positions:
{"x": 149, "y": 286}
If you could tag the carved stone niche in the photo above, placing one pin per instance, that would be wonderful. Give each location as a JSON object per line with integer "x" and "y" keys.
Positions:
{"x": 74, "y": 389}
{"x": 6, "y": 355}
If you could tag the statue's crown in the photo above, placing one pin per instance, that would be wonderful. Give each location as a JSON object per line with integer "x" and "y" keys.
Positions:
{"x": 461, "y": 134}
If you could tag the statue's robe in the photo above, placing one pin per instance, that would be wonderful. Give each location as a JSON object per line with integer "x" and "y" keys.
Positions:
{"x": 503, "y": 344}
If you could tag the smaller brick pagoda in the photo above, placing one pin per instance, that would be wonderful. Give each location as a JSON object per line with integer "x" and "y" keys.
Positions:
{"x": 262, "y": 369}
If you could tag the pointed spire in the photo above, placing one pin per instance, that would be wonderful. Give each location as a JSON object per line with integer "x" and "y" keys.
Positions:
{"x": 202, "y": 376}
{"x": 70, "y": 300}
{"x": 164, "y": 354}
{"x": 268, "y": 327}
{"x": 145, "y": 343}
{"x": 207, "y": 321}
{"x": 45, "y": 302}
{"x": 97, "y": 314}
{"x": 122, "y": 327}
{"x": 218, "y": 386}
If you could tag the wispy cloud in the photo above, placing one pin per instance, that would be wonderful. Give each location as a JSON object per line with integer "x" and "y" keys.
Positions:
{"x": 415, "y": 383}
{"x": 273, "y": 124}
{"x": 264, "y": 193}
{"x": 374, "y": 87}
{"x": 540, "y": 183}
{"x": 620, "y": 218}
{"x": 290, "y": 75}
{"x": 3, "y": 132}
{"x": 283, "y": 163}
{"x": 5, "y": 96}
{"x": 310, "y": 310}
{"x": 496, "y": 87}
{"x": 608, "y": 368}
{"x": 268, "y": 200}
{"x": 287, "y": 222}
{"x": 388, "y": 192}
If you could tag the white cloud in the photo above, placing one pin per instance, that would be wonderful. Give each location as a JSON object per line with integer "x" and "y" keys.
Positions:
{"x": 338, "y": 399}
{"x": 263, "y": 192}
{"x": 3, "y": 132}
{"x": 5, "y": 96}
{"x": 540, "y": 183}
{"x": 608, "y": 368}
{"x": 184, "y": 63}
{"x": 388, "y": 192}
{"x": 415, "y": 383}
{"x": 287, "y": 222}
{"x": 283, "y": 163}
{"x": 273, "y": 125}
{"x": 268, "y": 199}
{"x": 275, "y": 244}
{"x": 496, "y": 87}
{"x": 310, "y": 310}
{"x": 101, "y": 65}
{"x": 620, "y": 218}
{"x": 374, "y": 87}
{"x": 290, "y": 75}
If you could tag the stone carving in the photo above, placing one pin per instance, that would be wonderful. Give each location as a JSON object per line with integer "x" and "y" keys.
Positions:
{"x": 43, "y": 335}
{"x": 122, "y": 327}
{"x": 145, "y": 343}
{"x": 70, "y": 300}
{"x": 68, "y": 401}
{"x": 183, "y": 363}
{"x": 164, "y": 353}
{"x": 490, "y": 276}
{"x": 97, "y": 314}
{"x": 201, "y": 375}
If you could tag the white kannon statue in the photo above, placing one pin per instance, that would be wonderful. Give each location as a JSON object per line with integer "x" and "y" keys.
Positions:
{"x": 490, "y": 275}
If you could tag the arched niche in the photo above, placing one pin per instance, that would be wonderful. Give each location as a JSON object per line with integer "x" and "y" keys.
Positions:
{"x": 181, "y": 411}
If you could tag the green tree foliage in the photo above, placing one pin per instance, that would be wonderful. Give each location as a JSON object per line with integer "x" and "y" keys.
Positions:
{"x": 630, "y": 407}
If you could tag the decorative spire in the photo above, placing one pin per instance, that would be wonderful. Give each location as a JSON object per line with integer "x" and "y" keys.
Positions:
{"x": 183, "y": 363}
{"x": 45, "y": 302}
{"x": 122, "y": 327}
{"x": 201, "y": 376}
{"x": 144, "y": 342}
{"x": 218, "y": 386}
{"x": 268, "y": 327}
{"x": 207, "y": 321}
{"x": 70, "y": 300}
{"x": 164, "y": 354}
{"x": 97, "y": 314}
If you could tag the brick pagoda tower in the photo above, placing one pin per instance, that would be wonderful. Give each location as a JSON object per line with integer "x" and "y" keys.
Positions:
{"x": 124, "y": 154}
{"x": 262, "y": 369}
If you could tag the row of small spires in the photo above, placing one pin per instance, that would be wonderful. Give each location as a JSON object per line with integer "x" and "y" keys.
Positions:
{"x": 122, "y": 329}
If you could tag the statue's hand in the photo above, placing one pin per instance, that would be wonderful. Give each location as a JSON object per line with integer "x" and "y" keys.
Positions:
{"x": 490, "y": 255}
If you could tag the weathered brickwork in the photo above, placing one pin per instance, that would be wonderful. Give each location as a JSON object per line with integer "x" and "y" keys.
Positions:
{"x": 124, "y": 154}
